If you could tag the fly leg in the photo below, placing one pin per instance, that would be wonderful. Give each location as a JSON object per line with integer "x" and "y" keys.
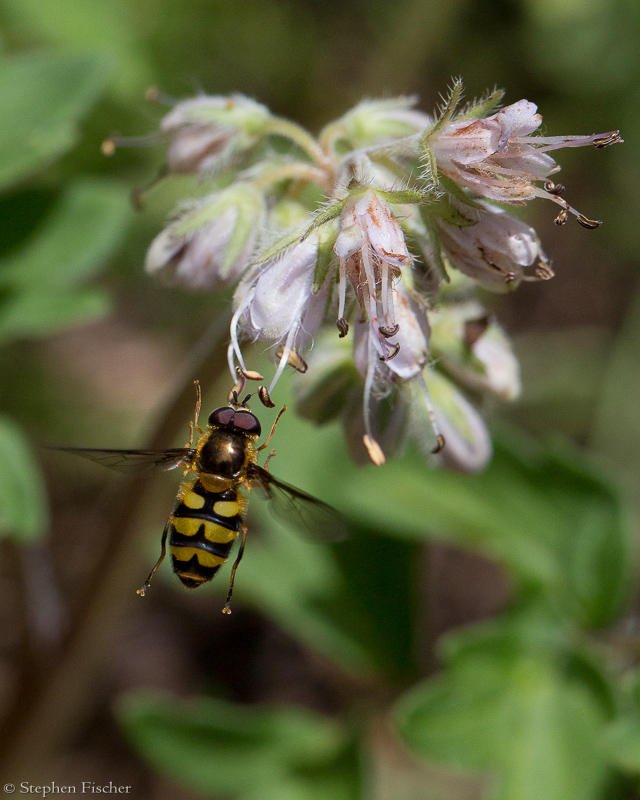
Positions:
{"x": 193, "y": 426}
{"x": 273, "y": 430}
{"x": 143, "y": 589}
{"x": 265, "y": 466}
{"x": 227, "y": 605}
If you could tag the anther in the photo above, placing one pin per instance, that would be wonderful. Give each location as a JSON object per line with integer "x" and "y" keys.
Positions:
{"x": 392, "y": 354}
{"x": 591, "y": 224}
{"x": 343, "y": 327}
{"x": 250, "y": 374}
{"x": 554, "y": 188}
{"x": 562, "y": 217}
{"x": 389, "y": 332}
{"x": 295, "y": 360}
{"x": 108, "y": 147}
{"x": 612, "y": 138}
{"x": 374, "y": 450}
{"x": 475, "y": 328}
{"x": 441, "y": 444}
{"x": 544, "y": 271}
{"x": 265, "y": 397}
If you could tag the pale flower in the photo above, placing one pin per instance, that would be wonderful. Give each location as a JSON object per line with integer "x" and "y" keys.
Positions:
{"x": 276, "y": 301}
{"x": 210, "y": 245}
{"x": 493, "y": 247}
{"x": 372, "y": 249}
{"x": 498, "y": 158}
{"x": 205, "y": 130}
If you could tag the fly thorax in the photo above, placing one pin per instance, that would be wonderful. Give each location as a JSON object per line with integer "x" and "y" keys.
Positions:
{"x": 224, "y": 454}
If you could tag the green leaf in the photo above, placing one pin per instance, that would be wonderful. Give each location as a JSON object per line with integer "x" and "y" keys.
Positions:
{"x": 546, "y": 515}
{"x": 42, "y": 99}
{"x": 39, "y": 314}
{"x": 224, "y": 749}
{"x": 109, "y": 28}
{"x": 508, "y": 710}
{"x": 23, "y": 510}
{"x": 38, "y": 283}
{"x": 74, "y": 241}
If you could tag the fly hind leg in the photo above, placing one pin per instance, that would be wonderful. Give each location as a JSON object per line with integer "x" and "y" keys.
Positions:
{"x": 163, "y": 551}
{"x": 227, "y": 605}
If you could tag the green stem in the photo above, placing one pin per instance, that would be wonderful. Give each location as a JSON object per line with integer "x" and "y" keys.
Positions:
{"x": 284, "y": 127}
{"x": 52, "y": 704}
{"x": 295, "y": 171}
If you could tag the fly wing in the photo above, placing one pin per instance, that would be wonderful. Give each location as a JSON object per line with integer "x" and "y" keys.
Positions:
{"x": 134, "y": 460}
{"x": 322, "y": 522}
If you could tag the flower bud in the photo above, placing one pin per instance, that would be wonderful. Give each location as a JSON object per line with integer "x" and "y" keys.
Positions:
{"x": 210, "y": 245}
{"x": 208, "y": 129}
{"x": 494, "y": 247}
{"x": 474, "y": 350}
{"x": 377, "y": 121}
{"x": 468, "y": 445}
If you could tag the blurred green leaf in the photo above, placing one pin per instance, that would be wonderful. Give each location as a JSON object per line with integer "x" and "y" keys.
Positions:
{"x": 109, "y": 28}
{"x": 39, "y": 313}
{"x": 545, "y": 514}
{"x": 353, "y": 601}
{"x": 42, "y": 99}
{"x": 23, "y": 510}
{"x": 616, "y": 426}
{"x": 74, "y": 241}
{"x": 506, "y": 708}
{"x": 622, "y": 737}
{"x": 38, "y": 283}
{"x": 220, "y": 748}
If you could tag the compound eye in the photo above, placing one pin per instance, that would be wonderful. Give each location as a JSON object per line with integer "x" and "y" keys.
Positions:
{"x": 247, "y": 422}
{"x": 222, "y": 416}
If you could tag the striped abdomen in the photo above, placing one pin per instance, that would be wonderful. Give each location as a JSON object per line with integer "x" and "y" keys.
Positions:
{"x": 202, "y": 529}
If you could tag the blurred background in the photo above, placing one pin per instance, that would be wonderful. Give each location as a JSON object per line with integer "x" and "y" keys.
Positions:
{"x": 476, "y": 636}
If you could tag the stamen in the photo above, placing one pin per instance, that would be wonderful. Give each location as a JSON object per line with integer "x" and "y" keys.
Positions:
{"x": 108, "y": 147}
{"x": 288, "y": 347}
{"x": 343, "y": 327}
{"x": 553, "y": 188}
{"x": 434, "y": 425}
{"x": 389, "y": 332}
{"x": 156, "y": 95}
{"x": 392, "y": 354}
{"x": 562, "y": 217}
{"x": 295, "y": 360}
{"x": 252, "y": 375}
{"x": 374, "y": 450}
{"x": 342, "y": 292}
{"x": 591, "y": 224}
{"x": 246, "y": 302}
{"x": 265, "y": 397}
{"x": 474, "y": 329}
{"x": 608, "y": 139}
{"x": 238, "y": 386}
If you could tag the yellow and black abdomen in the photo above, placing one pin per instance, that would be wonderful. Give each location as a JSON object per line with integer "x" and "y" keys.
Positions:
{"x": 202, "y": 529}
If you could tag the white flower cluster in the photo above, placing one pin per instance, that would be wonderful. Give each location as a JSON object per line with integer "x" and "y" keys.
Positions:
{"x": 367, "y": 224}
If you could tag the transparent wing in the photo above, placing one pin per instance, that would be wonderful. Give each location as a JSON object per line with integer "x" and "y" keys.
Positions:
{"x": 134, "y": 460}
{"x": 321, "y": 521}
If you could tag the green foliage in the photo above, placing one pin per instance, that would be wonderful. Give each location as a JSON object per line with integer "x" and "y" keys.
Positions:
{"x": 41, "y": 285}
{"x": 23, "y": 508}
{"x": 506, "y": 706}
{"x": 219, "y": 748}
{"x": 43, "y": 97}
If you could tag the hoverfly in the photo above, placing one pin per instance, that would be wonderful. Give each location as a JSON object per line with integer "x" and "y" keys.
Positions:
{"x": 209, "y": 511}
